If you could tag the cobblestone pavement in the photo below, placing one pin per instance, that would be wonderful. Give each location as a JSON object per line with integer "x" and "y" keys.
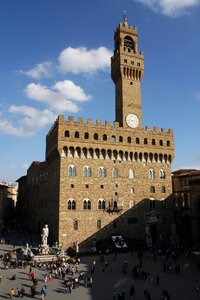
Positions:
{"x": 179, "y": 287}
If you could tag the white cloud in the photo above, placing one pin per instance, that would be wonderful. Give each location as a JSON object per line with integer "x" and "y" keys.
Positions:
{"x": 40, "y": 71}
{"x": 59, "y": 97}
{"x": 82, "y": 60}
{"x": 33, "y": 120}
{"x": 172, "y": 8}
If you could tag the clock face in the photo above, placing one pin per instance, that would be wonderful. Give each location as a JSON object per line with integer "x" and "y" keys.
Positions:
{"x": 132, "y": 120}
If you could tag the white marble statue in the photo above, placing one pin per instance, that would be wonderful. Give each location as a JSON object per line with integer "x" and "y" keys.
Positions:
{"x": 45, "y": 234}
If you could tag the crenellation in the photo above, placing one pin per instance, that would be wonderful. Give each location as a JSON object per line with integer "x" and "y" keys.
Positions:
{"x": 81, "y": 121}
{"x": 89, "y": 121}
{"x": 156, "y": 129}
{"x": 163, "y": 130}
{"x": 70, "y": 119}
{"x": 98, "y": 122}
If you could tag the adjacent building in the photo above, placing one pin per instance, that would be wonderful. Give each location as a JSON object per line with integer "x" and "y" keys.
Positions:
{"x": 103, "y": 178}
{"x": 186, "y": 189}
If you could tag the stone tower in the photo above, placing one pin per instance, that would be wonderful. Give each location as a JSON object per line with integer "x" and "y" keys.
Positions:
{"x": 127, "y": 68}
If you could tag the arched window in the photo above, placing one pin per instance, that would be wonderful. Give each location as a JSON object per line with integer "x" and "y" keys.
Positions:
{"x": 102, "y": 172}
{"x": 71, "y": 171}
{"x": 145, "y": 141}
{"x": 168, "y": 143}
{"x": 67, "y": 133}
{"x": 104, "y": 137}
{"x": 120, "y": 139}
{"x": 76, "y": 135}
{"x": 162, "y": 174}
{"x": 86, "y": 135}
{"x": 71, "y": 204}
{"x": 101, "y": 204}
{"x": 131, "y": 173}
{"x": 137, "y": 140}
{"x": 151, "y": 174}
{"x": 152, "y": 189}
{"x": 96, "y": 136}
{"x": 129, "y": 139}
{"x": 99, "y": 224}
{"x": 87, "y": 204}
{"x": 86, "y": 171}
{"x": 132, "y": 190}
{"x": 161, "y": 142}
{"x": 75, "y": 224}
{"x": 153, "y": 141}
{"x": 114, "y": 173}
{"x": 113, "y": 138}
{"x": 128, "y": 42}
{"x": 163, "y": 189}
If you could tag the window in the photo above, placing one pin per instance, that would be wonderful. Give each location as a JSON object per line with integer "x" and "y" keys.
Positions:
{"x": 87, "y": 204}
{"x": 72, "y": 186}
{"x": 125, "y": 60}
{"x": 114, "y": 173}
{"x": 151, "y": 174}
{"x": 132, "y": 190}
{"x": 113, "y": 138}
{"x": 128, "y": 42}
{"x": 99, "y": 224}
{"x": 162, "y": 174}
{"x": 71, "y": 204}
{"x": 152, "y": 189}
{"x": 168, "y": 143}
{"x": 96, "y": 136}
{"x": 86, "y": 135}
{"x": 71, "y": 171}
{"x": 132, "y": 62}
{"x": 101, "y": 186}
{"x": 137, "y": 140}
{"x": 129, "y": 139}
{"x": 153, "y": 142}
{"x": 101, "y": 204}
{"x": 138, "y": 64}
{"x": 102, "y": 172}
{"x": 104, "y": 137}
{"x": 86, "y": 171}
{"x": 67, "y": 133}
{"x": 131, "y": 173}
{"x": 120, "y": 139}
{"x": 87, "y": 186}
{"x": 75, "y": 224}
{"x": 145, "y": 141}
{"x": 161, "y": 142}
{"x": 163, "y": 189}
{"x": 76, "y": 135}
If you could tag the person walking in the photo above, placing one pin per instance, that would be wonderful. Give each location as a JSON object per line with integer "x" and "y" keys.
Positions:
{"x": 12, "y": 293}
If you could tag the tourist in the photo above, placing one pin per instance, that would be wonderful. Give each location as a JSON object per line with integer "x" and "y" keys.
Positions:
{"x": 22, "y": 292}
{"x": 12, "y": 293}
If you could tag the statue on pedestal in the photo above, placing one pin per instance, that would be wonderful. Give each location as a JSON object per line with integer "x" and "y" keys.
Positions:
{"x": 44, "y": 235}
{"x": 44, "y": 248}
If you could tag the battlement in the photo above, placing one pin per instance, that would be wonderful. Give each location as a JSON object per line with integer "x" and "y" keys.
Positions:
{"x": 127, "y": 28}
{"x": 107, "y": 125}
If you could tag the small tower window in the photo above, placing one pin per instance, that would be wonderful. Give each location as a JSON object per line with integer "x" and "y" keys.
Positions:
{"x": 67, "y": 133}
{"x": 86, "y": 135}
{"x": 128, "y": 42}
{"x": 95, "y": 136}
{"x": 76, "y": 135}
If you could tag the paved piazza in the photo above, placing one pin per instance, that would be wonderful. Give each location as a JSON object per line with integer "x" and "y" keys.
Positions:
{"x": 179, "y": 287}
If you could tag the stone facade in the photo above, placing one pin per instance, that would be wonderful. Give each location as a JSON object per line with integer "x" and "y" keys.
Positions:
{"x": 186, "y": 190}
{"x": 100, "y": 179}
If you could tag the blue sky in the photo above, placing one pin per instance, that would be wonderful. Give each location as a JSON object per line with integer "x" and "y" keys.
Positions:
{"x": 55, "y": 59}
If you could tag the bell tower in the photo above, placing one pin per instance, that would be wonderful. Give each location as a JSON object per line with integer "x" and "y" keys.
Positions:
{"x": 127, "y": 68}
